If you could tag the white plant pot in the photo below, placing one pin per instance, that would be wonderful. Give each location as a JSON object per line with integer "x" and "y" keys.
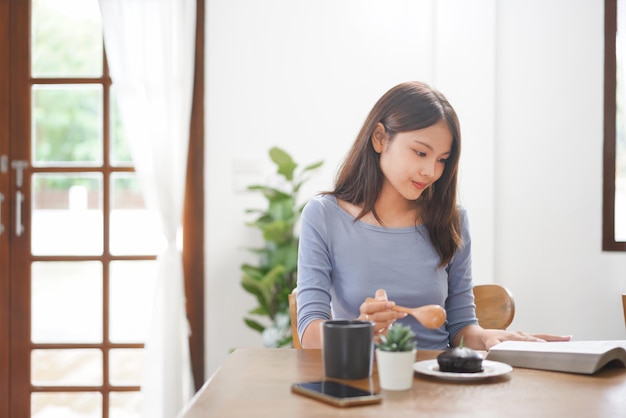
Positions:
{"x": 395, "y": 369}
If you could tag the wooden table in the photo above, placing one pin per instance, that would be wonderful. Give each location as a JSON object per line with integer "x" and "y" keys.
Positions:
{"x": 255, "y": 382}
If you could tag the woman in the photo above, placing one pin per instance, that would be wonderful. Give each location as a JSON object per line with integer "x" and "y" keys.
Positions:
{"x": 391, "y": 229}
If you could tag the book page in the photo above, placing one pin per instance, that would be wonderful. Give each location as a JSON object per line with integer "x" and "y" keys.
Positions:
{"x": 588, "y": 347}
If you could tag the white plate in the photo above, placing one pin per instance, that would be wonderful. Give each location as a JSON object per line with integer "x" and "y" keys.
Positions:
{"x": 490, "y": 369}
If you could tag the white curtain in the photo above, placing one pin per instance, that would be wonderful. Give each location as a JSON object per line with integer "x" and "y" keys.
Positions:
{"x": 150, "y": 47}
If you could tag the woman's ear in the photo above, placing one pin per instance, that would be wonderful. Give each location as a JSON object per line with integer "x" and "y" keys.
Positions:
{"x": 378, "y": 137}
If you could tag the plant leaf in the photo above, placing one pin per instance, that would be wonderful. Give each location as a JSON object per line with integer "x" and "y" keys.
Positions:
{"x": 258, "y": 288}
{"x": 252, "y": 271}
{"x": 254, "y": 324}
{"x": 313, "y": 166}
{"x": 258, "y": 311}
{"x": 285, "y": 163}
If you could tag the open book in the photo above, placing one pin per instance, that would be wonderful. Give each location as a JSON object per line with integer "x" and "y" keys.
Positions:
{"x": 585, "y": 357}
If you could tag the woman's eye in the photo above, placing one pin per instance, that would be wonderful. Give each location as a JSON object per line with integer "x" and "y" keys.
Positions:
{"x": 420, "y": 153}
{"x": 443, "y": 160}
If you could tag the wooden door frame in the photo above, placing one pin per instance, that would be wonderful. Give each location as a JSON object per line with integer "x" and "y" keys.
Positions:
{"x": 19, "y": 150}
{"x": 5, "y": 289}
{"x": 193, "y": 211}
{"x": 19, "y": 246}
{"x": 14, "y": 107}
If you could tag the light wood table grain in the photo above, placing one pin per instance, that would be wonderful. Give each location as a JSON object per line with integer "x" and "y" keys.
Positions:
{"x": 255, "y": 382}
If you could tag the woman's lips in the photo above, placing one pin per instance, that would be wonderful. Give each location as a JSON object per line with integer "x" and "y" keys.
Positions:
{"x": 420, "y": 186}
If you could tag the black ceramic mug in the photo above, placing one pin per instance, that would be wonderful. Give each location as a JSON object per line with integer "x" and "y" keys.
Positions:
{"x": 347, "y": 348}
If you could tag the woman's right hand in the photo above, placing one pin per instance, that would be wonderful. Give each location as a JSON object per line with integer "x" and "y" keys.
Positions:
{"x": 378, "y": 311}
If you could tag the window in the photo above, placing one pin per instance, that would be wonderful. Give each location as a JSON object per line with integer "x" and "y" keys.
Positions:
{"x": 614, "y": 188}
{"x": 91, "y": 256}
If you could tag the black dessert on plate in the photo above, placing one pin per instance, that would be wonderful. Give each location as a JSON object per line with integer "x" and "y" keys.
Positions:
{"x": 460, "y": 360}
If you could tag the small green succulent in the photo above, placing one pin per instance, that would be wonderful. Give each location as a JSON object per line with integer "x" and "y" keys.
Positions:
{"x": 399, "y": 338}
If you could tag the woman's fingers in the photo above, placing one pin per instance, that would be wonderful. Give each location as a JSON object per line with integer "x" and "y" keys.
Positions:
{"x": 378, "y": 310}
{"x": 497, "y": 336}
{"x": 380, "y": 294}
{"x": 551, "y": 337}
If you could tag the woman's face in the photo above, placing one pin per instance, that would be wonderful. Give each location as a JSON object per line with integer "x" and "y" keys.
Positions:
{"x": 412, "y": 161}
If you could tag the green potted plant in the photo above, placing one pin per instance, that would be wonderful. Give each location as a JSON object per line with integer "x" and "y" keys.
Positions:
{"x": 274, "y": 277}
{"x": 395, "y": 355}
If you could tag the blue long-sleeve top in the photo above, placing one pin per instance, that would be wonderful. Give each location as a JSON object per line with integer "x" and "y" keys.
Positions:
{"x": 341, "y": 262}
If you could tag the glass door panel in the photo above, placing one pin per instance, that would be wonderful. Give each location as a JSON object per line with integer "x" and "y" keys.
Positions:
{"x": 132, "y": 224}
{"x": 119, "y": 151}
{"x": 66, "y": 302}
{"x": 131, "y": 293}
{"x": 66, "y": 38}
{"x": 125, "y": 405}
{"x": 67, "y": 124}
{"x": 89, "y": 309}
{"x": 66, "y": 367}
{"x": 126, "y": 366}
{"x": 67, "y": 214}
{"x": 66, "y": 405}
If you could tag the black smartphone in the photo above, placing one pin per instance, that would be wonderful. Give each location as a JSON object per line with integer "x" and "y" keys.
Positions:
{"x": 336, "y": 393}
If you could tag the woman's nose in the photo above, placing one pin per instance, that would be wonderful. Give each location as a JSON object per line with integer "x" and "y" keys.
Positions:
{"x": 427, "y": 170}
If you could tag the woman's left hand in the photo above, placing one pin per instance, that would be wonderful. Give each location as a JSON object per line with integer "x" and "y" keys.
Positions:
{"x": 491, "y": 337}
{"x": 483, "y": 339}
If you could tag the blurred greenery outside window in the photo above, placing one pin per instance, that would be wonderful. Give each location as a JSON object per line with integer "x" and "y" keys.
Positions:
{"x": 67, "y": 121}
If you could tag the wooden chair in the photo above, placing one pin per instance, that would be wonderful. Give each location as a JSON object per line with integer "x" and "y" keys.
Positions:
{"x": 495, "y": 308}
{"x": 293, "y": 314}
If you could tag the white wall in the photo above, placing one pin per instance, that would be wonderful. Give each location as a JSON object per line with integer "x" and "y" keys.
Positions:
{"x": 526, "y": 79}
{"x": 549, "y": 139}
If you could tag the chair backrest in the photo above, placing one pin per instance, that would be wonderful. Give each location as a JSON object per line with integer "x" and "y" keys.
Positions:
{"x": 495, "y": 308}
{"x": 293, "y": 314}
{"x": 624, "y": 305}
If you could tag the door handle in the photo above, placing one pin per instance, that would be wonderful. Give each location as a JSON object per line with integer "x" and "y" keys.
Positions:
{"x": 19, "y": 198}
{"x": 19, "y": 166}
